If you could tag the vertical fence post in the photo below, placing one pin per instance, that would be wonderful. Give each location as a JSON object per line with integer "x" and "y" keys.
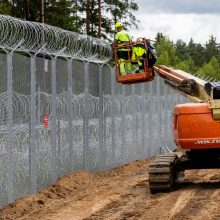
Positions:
{"x": 134, "y": 148}
{"x": 167, "y": 115}
{"x": 123, "y": 144}
{"x": 163, "y": 115}
{"x": 143, "y": 127}
{"x": 58, "y": 148}
{"x": 158, "y": 121}
{"x": 101, "y": 117}
{"x": 9, "y": 127}
{"x": 70, "y": 114}
{"x": 85, "y": 116}
{"x": 54, "y": 124}
{"x": 39, "y": 105}
{"x": 150, "y": 120}
{"x": 113, "y": 113}
{"x": 32, "y": 150}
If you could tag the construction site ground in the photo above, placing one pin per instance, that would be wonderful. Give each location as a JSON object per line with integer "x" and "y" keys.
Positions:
{"x": 121, "y": 194}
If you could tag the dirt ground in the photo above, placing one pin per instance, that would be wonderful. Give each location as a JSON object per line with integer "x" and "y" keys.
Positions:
{"x": 121, "y": 194}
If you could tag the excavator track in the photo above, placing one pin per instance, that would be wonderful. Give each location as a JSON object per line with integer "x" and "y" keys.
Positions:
{"x": 162, "y": 173}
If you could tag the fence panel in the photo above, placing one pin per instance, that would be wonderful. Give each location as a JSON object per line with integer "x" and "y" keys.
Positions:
{"x": 94, "y": 123}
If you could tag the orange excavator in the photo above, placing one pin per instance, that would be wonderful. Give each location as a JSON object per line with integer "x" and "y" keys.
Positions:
{"x": 196, "y": 127}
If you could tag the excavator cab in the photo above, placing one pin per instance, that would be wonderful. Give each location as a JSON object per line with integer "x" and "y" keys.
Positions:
{"x": 132, "y": 63}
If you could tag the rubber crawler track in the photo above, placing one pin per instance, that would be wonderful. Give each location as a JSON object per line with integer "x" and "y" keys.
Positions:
{"x": 162, "y": 174}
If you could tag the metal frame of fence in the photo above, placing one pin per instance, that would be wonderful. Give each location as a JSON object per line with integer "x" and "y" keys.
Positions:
{"x": 94, "y": 123}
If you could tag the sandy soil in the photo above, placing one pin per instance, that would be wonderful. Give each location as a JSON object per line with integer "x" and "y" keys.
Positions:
{"x": 121, "y": 194}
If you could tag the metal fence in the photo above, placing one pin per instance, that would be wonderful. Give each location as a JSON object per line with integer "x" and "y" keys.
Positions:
{"x": 94, "y": 123}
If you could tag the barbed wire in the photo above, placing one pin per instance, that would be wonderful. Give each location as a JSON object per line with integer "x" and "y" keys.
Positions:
{"x": 36, "y": 37}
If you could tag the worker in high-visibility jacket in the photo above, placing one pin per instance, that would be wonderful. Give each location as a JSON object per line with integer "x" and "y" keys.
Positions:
{"x": 123, "y": 38}
{"x": 139, "y": 53}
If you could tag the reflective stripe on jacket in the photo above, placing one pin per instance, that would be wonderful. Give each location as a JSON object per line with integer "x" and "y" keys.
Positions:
{"x": 122, "y": 37}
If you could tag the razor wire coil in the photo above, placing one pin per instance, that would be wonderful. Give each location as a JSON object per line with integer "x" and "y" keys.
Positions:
{"x": 33, "y": 37}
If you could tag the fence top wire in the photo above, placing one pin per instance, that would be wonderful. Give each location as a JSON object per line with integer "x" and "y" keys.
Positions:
{"x": 21, "y": 35}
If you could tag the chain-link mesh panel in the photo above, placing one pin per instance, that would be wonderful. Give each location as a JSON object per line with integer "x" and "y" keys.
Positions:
{"x": 107, "y": 123}
{"x": 119, "y": 136}
{"x": 62, "y": 117}
{"x": 3, "y": 132}
{"x": 94, "y": 123}
{"x": 43, "y": 135}
{"x": 91, "y": 116}
{"x": 21, "y": 124}
{"x": 77, "y": 101}
{"x": 78, "y": 78}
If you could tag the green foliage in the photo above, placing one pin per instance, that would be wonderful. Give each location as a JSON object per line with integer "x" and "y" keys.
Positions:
{"x": 62, "y": 14}
{"x": 76, "y": 15}
{"x": 5, "y": 7}
{"x": 158, "y": 37}
{"x": 212, "y": 49}
{"x": 181, "y": 49}
{"x": 197, "y": 52}
{"x": 192, "y": 57}
{"x": 112, "y": 11}
{"x": 187, "y": 65}
{"x": 121, "y": 10}
{"x": 166, "y": 52}
{"x": 210, "y": 69}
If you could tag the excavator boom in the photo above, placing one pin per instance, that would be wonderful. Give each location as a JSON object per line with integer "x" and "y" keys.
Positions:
{"x": 190, "y": 85}
{"x": 194, "y": 88}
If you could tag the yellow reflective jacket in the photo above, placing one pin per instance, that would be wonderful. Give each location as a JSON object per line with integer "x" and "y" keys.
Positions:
{"x": 138, "y": 51}
{"x": 122, "y": 37}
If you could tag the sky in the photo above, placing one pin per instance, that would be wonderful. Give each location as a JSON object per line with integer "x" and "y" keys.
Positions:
{"x": 178, "y": 19}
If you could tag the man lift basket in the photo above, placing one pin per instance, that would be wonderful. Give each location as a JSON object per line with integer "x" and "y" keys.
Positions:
{"x": 141, "y": 55}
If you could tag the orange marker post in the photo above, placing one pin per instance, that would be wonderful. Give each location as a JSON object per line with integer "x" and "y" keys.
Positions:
{"x": 45, "y": 121}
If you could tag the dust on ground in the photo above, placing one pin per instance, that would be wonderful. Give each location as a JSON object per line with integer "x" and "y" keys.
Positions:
{"x": 121, "y": 194}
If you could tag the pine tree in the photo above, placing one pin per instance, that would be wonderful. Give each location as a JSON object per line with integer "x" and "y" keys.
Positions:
{"x": 62, "y": 14}
{"x": 166, "y": 52}
{"x": 5, "y": 7}
{"x": 181, "y": 50}
{"x": 199, "y": 55}
{"x": 210, "y": 69}
{"x": 158, "y": 37}
{"x": 76, "y": 15}
{"x": 121, "y": 10}
{"x": 112, "y": 11}
{"x": 197, "y": 52}
{"x": 212, "y": 49}
{"x": 187, "y": 65}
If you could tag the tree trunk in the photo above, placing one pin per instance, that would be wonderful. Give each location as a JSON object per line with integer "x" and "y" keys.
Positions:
{"x": 100, "y": 18}
{"x": 42, "y": 11}
{"x": 26, "y": 10}
{"x": 88, "y": 17}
